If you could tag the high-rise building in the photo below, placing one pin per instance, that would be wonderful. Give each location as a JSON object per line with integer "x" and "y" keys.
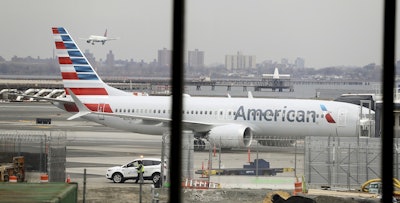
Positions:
{"x": 196, "y": 59}
{"x": 240, "y": 61}
{"x": 299, "y": 62}
{"x": 110, "y": 59}
{"x": 164, "y": 58}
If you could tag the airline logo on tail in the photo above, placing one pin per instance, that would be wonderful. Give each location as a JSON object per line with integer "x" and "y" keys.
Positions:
{"x": 76, "y": 71}
{"x": 327, "y": 114}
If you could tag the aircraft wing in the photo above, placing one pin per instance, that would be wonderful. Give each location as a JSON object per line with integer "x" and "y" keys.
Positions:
{"x": 187, "y": 124}
{"x": 114, "y": 38}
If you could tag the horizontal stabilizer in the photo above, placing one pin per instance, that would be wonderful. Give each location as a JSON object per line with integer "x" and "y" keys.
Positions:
{"x": 83, "y": 110}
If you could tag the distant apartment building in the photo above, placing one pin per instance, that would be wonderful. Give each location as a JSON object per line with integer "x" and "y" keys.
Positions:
{"x": 164, "y": 58}
{"x": 299, "y": 62}
{"x": 196, "y": 59}
{"x": 110, "y": 59}
{"x": 285, "y": 61}
{"x": 240, "y": 62}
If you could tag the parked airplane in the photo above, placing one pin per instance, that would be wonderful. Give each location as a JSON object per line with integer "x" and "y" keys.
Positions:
{"x": 231, "y": 122}
{"x": 97, "y": 38}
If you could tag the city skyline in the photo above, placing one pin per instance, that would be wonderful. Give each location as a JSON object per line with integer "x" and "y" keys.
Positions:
{"x": 329, "y": 33}
{"x": 197, "y": 57}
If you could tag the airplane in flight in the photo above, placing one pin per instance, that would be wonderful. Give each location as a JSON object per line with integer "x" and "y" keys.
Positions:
{"x": 98, "y": 38}
{"x": 229, "y": 122}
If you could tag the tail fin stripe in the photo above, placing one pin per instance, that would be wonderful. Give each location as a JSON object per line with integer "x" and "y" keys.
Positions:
{"x": 67, "y": 68}
{"x": 87, "y": 77}
{"x": 69, "y": 76}
{"x": 70, "y": 46}
{"x": 75, "y": 54}
{"x": 88, "y": 91}
{"x": 79, "y": 61}
{"x": 85, "y": 69}
{"x": 77, "y": 76}
{"x": 59, "y": 30}
{"x": 64, "y": 60}
{"x": 65, "y": 45}
{"x": 82, "y": 84}
{"x": 78, "y": 69}
{"x": 66, "y": 38}
{"x": 60, "y": 45}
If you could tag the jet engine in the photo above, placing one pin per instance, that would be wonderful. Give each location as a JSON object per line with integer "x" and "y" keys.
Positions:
{"x": 230, "y": 136}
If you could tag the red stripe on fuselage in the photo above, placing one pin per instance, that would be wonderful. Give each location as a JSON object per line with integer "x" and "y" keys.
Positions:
{"x": 93, "y": 107}
{"x": 88, "y": 91}
{"x": 69, "y": 76}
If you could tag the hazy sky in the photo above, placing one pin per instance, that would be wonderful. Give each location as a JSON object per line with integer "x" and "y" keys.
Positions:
{"x": 324, "y": 33}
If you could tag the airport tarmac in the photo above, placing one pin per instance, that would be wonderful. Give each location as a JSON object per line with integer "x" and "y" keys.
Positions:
{"x": 95, "y": 148}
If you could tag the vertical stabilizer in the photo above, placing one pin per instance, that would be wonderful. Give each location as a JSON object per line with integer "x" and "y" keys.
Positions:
{"x": 77, "y": 73}
{"x": 276, "y": 73}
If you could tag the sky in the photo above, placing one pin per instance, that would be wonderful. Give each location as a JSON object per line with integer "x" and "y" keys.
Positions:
{"x": 324, "y": 33}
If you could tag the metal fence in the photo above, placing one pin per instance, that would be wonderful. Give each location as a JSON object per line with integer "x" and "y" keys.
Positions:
{"x": 43, "y": 152}
{"x": 343, "y": 161}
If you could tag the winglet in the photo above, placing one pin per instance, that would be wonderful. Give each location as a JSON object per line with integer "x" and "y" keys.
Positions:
{"x": 83, "y": 110}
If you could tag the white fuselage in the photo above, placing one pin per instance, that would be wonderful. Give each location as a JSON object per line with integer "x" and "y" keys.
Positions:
{"x": 265, "y": 117}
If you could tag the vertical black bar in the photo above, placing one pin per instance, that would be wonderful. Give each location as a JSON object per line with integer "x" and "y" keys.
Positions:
{"x": 388, "y": 85}
{"x": 177, "y": 91}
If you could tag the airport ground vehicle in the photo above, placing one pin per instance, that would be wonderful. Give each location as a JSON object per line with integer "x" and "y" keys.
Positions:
{"x": 152, "y": 170}
{"x": 16, "y": 168}
{"x": 258, "y": 167}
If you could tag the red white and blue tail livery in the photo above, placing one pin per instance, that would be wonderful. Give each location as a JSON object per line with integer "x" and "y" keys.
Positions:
{"x": 76, "y": 72}
{"x": 234, "y": 122}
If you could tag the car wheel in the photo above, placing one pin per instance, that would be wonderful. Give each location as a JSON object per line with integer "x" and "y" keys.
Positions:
{"x": 118, "y": 178}
{"x": 155, "y": 177}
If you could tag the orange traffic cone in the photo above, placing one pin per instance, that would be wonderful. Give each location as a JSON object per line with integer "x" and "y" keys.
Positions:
{"x": 68, "y": 180}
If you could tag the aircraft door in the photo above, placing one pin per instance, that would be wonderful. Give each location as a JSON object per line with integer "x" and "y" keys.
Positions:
{"x": 342, "y": 118}
{"x": 101, "y": 108}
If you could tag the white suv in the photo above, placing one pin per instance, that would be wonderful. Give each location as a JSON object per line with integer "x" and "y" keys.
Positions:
{"x": 152, "y": 170}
